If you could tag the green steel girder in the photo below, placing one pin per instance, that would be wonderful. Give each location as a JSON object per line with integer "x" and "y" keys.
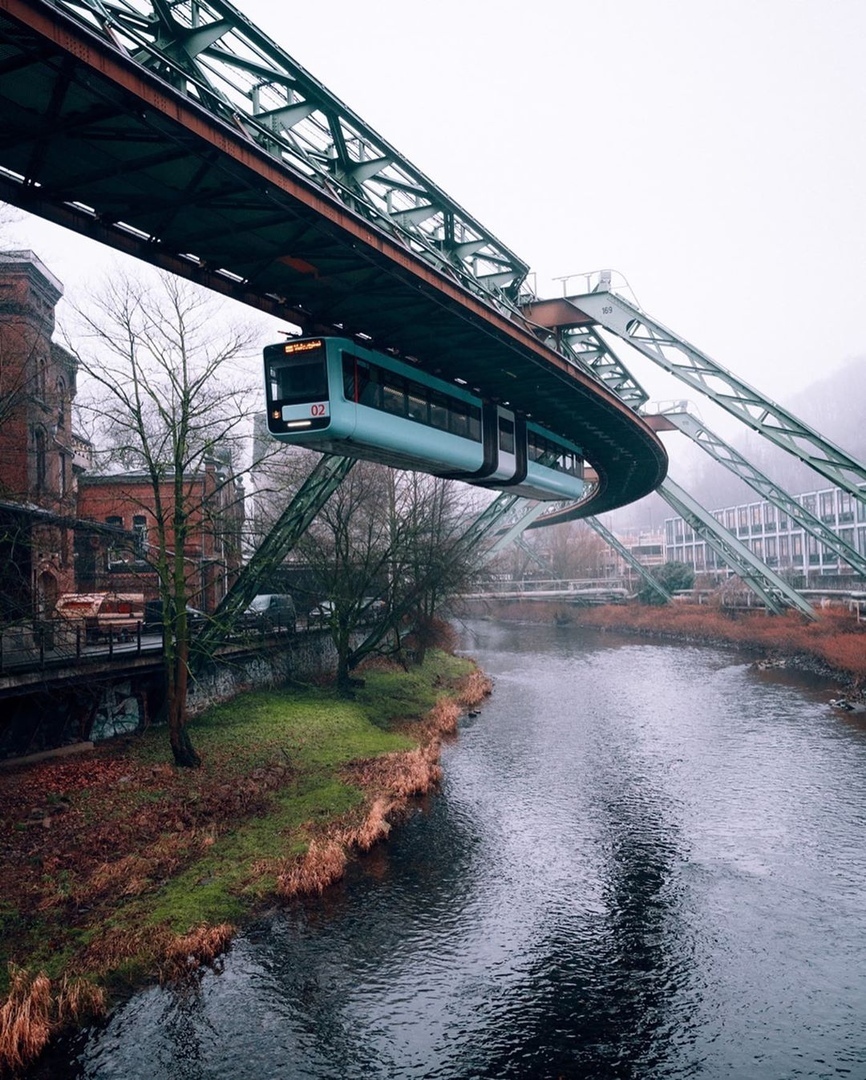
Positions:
{"x": 213, "y": 54}
{"x": 702, "y": 373}
{"x": 627, "y": 556}
{"x": 776, "y": 593}
{"x": 587, "y": 347}
{"x": 323, "y": 481}
{"x": 525, "y": 514}
{"x": 733, "y": 460}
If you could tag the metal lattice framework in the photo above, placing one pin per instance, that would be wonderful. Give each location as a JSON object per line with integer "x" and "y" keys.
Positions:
{"x": 213, "y": 54}
{"x": 627, "y": 557}
{"x": 741, "y": 467}
{"x": 698, "y": 370}
{"x": 776, "y": 593}
{"x": 320, "y": 485}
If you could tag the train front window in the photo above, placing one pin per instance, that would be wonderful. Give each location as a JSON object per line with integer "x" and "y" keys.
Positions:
{"x": 299, "y": 377}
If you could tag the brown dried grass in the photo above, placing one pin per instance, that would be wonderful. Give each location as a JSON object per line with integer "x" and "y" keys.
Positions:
{"x": 409, "y": 772}
{"x": 441, "y": 719}
{"x": 323, "y": 863}
{"x": 32, "y": 1013}
{"x": 112, "y": 950}
{"x": 372, "y": 829}
{"x": 833, "y": 638}
{"x": 133, "y": 874}
{"x": 473, "y": 689}
{"x": 185, "y": 954}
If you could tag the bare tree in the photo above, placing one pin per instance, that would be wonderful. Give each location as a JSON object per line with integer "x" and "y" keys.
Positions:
{"x": 570, "y": 550}
{"x": 431, "y": 564}
{"x": 387, "y": 551}
{"x": 169, "y": 397}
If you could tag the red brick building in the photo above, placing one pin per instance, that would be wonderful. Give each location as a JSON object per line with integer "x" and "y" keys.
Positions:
{"x": 39, "y": 456}
{"x": 126, "y": 501}
{"x": 47, "y": 497}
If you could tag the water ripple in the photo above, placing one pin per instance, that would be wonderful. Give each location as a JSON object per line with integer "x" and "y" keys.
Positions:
{"x": 646, "y": 862}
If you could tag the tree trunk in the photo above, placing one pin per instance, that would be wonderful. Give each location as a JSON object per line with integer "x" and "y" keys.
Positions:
{"x": 184, "y": 752}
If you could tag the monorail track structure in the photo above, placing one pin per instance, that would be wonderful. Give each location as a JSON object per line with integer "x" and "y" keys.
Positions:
{"x": 181, "y": 134}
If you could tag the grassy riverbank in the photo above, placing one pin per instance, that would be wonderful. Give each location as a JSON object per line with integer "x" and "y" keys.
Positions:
{"x": 834, "y": 643}
{"x": 119, "y": 867}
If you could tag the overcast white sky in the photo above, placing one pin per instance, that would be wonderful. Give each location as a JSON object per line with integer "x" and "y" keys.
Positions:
{"x": 712, "y": 151}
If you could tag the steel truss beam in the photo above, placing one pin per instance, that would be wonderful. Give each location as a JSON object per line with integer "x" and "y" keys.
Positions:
{"x": 319, "y": 486}
{"x": 702, "y": 373}
{"x": 772, "y": 589}
{"x": 527, "y": 512}
{"x": 625, "y": 554}
{"x": 726, "y": 455}
{"x": 210, "y": 52}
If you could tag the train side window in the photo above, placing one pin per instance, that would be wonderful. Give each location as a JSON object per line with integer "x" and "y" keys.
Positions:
{"x": 351, "y": 364}
{"x": 458, "y": 420}
{"x": 506, "y": 435}
{"x": 416, "y": 403}
{"x": 370, "y": 388}
{"x": 438, "y": 411}
{"x": 474, "y": 423}
{"x": 394, "y": 395}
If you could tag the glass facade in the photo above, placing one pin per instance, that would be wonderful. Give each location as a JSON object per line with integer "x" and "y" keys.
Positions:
{"x": 775, "y": 538}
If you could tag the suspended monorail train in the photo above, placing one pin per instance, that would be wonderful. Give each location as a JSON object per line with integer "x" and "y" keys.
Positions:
{"x": 333, "y": 395}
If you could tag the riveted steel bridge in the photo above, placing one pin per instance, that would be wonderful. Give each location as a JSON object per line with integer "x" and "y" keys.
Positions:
{"x": 181, "y": 134}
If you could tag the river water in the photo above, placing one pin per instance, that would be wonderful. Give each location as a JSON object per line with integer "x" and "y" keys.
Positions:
{"x": 646, "y": 861}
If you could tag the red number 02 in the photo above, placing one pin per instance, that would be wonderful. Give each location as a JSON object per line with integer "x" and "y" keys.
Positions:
{"x": 317, "y": 410}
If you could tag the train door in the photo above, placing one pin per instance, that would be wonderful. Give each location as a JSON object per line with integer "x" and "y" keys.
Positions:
{"x": 506, "y": 434}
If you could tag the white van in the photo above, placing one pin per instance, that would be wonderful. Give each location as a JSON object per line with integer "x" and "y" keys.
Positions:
{"x": 101, "y": 614}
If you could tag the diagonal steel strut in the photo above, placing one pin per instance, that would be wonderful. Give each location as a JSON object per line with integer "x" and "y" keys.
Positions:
{"x": 691, "y": 366}
{"x": 626, "y": 555}
{"x": 322, "y": 482}
{"x": 741, "y": 467}
{"x": 772, "y": 589}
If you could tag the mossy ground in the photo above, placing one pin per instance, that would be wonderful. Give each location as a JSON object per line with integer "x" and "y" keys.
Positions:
{"x": 109, "y": 855}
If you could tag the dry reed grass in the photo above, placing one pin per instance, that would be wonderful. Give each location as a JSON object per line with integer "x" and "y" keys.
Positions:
{"x": 33, "y": 1012}
{"x": 440, "y": 720}
{"x": 834, "y": 638}
{"x": 473, "y": 689}
{"x": 408, "y": 772}
{"x": 323, "y": 863}
{"x": 372, "y": 829}
{"x": 185, "y": 954}
{"x": 112, "y": 950}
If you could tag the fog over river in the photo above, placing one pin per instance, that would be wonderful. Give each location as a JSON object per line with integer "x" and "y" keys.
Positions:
{"x": 646, "y": 860}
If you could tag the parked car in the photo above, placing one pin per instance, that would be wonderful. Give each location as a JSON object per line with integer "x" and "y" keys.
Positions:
{"x": 101, "y": 614}
{"x": 374, "y": 606}
{"x": 153, "y": 619}
{"x": 321, "y": 612}
{"x": 270, "y": 611}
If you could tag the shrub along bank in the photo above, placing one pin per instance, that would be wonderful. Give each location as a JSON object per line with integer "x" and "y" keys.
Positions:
{"x": 119, "y": 866}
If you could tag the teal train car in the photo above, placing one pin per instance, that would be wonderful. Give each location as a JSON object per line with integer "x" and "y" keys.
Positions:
{"x": 331, "y": 394}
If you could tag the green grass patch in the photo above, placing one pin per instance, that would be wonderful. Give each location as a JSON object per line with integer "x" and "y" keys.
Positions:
{"x": 312, "y": 733}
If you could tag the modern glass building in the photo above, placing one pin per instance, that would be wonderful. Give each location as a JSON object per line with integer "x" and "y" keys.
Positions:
{"x": 774, "y": 538}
